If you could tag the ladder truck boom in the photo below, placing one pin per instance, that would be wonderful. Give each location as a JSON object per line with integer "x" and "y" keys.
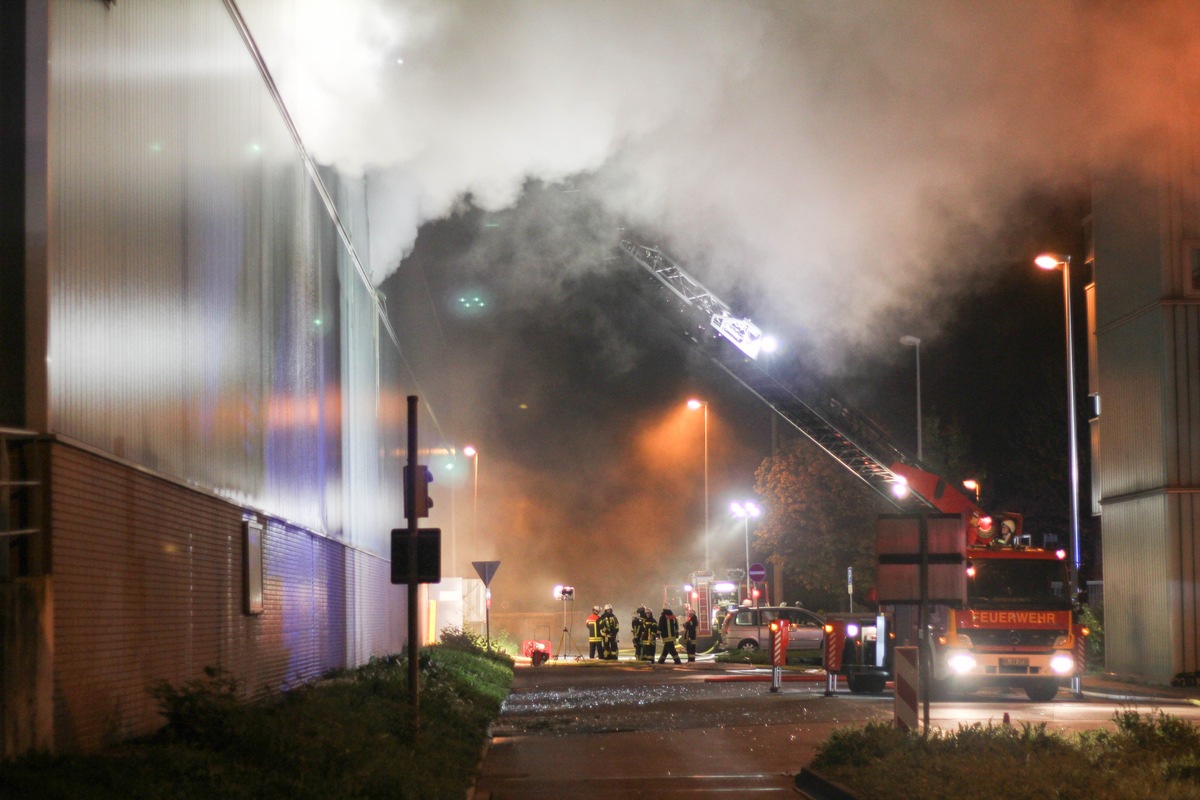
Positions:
{"x": 852, "y": 439}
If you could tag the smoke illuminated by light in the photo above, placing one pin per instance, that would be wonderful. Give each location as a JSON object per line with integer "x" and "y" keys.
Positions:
{"x": 850, "y": 142}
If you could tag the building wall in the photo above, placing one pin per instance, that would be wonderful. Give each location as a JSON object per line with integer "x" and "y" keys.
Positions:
{"x": 201, "y": 347}
{"x": 148, "y": 586}
{"x": 1146, "y": 333}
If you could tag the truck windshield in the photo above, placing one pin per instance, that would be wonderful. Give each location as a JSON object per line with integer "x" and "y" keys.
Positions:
{"x": 1019, "y": 582}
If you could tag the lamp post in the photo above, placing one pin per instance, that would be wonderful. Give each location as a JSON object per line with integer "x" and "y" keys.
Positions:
{"x": 695, "y": 404}
{"x": 745, "y": 511}
{"x": 914, "y": 342}
{"x": 1050, "y": 261}
{"x": 471, "y": 452}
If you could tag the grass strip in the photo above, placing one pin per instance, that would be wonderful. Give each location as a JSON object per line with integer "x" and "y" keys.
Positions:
{"x": 348, "y": 736}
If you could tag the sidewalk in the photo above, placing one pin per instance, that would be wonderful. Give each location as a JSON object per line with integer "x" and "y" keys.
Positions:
{"x": 1131, "y": 689}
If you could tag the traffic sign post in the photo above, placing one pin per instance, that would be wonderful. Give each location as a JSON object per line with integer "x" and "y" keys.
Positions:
{"x": 486, "y": 571}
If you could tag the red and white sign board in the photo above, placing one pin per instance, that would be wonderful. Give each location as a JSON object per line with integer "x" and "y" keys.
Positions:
{"x": 908, "y": 676}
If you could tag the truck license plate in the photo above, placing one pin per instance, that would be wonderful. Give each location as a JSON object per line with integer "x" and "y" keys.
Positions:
{"x": 1014, "y": 662}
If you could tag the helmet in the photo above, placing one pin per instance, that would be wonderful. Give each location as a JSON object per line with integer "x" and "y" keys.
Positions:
{"x": 608, "y": 607}
{"x": 595, "y": 609}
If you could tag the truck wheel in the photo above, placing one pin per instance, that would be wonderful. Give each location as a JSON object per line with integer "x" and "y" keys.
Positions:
{"x": 1042, "y": 691}
{"x": 866, "y": 684}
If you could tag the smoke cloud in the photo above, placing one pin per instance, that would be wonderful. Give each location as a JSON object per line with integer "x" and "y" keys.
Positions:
{"x": 820, "y": 151}
{"x": 845, "y": 171}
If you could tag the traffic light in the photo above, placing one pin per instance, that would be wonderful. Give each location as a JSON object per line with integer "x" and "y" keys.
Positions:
{"x": 416, "y": 492}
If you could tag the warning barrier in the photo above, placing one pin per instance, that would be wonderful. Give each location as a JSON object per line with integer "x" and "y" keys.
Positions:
{"x": 908, "y": 676}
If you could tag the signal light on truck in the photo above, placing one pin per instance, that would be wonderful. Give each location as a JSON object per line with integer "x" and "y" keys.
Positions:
{"x": 828, "y": 628}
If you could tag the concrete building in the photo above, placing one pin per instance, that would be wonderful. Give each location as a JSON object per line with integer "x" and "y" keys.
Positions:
{"x": 1144, "y": 380}
{"x": 202, "y": 405}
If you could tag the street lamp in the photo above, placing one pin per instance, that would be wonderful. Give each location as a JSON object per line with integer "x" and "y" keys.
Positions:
{"x": 694, "y": 405}
{"x": 973, "y": 485}
{"x": 472, "y": 453}
{"x": 745, "y": 511}
{"x": 914, "y": 342}
{"x": 1050, "y": 261}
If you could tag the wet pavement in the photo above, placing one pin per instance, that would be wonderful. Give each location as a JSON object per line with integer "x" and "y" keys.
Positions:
{"x": 585, "y": 730}
{"x": 617, "y": 730}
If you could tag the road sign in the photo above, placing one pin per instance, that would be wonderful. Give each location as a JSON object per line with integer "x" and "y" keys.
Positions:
{"x": 429, "y": 555}
{"x": 486, "y": 570}
{"x": 758, "y": 573}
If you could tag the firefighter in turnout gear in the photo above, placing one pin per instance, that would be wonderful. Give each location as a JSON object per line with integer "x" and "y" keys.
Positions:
{"x": 593, "y": 626}
{"x": 668, "y": 629}
{"x": 609, "y": 627}
{"x": 635, "y": 631}
{"x": 649, "y": 633}
{"x": 690, "y": 626}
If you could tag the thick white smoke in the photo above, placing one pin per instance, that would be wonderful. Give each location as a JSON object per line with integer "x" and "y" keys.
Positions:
{"x": 822, "y": 150}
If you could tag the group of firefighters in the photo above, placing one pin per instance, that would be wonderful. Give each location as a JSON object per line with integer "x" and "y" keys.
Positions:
{"x": 603, "y": 628}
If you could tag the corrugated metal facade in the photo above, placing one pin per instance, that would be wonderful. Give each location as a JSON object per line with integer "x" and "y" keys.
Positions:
{"x": 194, "y": 300}
{"x": 148, "y": 585}
{"x": 1146, "y": 325}
{"x": 212, "y": 354}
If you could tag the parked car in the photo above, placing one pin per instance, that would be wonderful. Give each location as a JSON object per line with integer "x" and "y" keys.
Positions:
{"x": 749, "y": 628}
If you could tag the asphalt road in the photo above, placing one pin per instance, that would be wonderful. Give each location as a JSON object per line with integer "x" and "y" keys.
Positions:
{"x": 624, "y": 730}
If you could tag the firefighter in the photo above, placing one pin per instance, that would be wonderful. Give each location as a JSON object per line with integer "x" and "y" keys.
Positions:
{"x": 649, "y": 632}
{"x": 608, "y": 633}
{"x": 593, "y": 626}
{"x": 668, "y": 629}
{"x": 690, "y": 627}
{"x": 635, "y": 630}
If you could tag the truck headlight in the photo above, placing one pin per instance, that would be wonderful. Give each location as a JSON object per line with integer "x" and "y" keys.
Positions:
{"x": 961, "y": 663}
{"x": 1062, "y": 664}
{"x": 851, "y": 631}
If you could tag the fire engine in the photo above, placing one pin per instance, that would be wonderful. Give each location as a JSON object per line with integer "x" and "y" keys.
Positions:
{"x": 1017, "y": 625}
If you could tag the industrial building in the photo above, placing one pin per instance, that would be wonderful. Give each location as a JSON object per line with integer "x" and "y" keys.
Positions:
{"x": 202, "y": 405}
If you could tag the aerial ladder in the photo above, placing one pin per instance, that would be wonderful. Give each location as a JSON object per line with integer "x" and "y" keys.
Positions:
{"x": 735, "y": 343}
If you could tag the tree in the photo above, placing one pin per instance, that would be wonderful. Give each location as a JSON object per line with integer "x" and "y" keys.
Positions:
{"x": 820, "y": 520}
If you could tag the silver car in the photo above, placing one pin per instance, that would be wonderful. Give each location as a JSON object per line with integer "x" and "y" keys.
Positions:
{"x": 749, "y": 628}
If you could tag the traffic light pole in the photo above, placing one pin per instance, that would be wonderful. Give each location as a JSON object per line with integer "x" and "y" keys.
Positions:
{"x": 414, "y": 675}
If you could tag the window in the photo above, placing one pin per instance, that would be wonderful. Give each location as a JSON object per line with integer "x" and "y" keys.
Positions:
{"x": 252, "y": 566}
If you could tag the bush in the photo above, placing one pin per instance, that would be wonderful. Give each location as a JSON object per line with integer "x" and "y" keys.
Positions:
{"x": 453, "y": 638}
{"x": 202, "y": 710}
{"x": 347, "y": 737}
{"x": 1149, "y": 755}
{"x": 1093, "y": 618}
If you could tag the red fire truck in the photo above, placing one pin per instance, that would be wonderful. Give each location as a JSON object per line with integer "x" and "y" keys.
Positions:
{"x": 1018, "y": 626}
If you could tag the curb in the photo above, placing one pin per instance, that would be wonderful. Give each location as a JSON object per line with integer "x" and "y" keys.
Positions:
{"x": 815, "y": 786}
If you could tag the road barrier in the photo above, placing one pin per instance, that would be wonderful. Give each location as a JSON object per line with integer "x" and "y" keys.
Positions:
{"x": 908, "y": 676}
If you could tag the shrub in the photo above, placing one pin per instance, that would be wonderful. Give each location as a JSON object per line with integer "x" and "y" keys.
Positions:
{"x": 202, "y": 710}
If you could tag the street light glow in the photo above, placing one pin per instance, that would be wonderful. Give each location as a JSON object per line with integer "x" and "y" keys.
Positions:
{"x": 469, "y": 451}
{"x": 746, "y": 509}
{"x": 695, "y": 404}
{"x": 1051, "y": 260}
